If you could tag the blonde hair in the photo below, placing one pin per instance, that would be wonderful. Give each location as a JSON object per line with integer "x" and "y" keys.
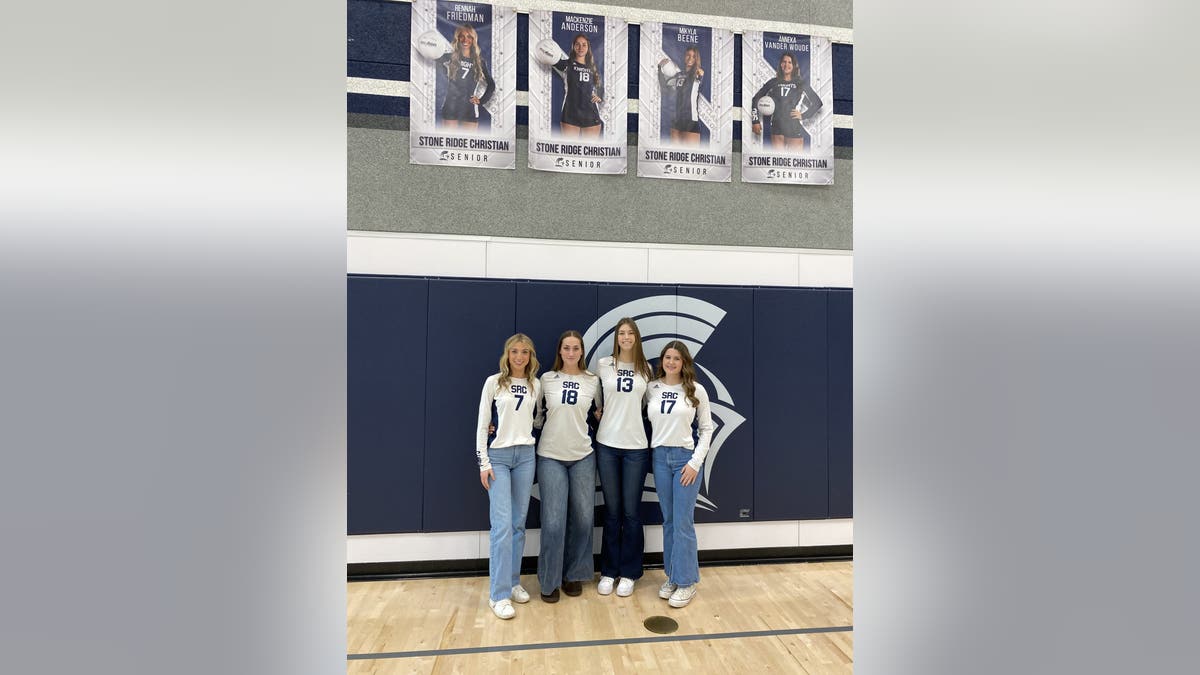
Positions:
{"x": 476, "y": 57}
{"x": 639, "y": 357}
{"x": 687, "y": 371}
{"x": 531, "y": 370}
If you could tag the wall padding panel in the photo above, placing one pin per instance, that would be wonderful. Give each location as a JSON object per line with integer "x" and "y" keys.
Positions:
{"x": 468, "y": 324}
{"x": 385, "y": 400}
{"x": 841, "y": 404}
{"x": 775, "y": 361}
{"x": 791, "y": 400}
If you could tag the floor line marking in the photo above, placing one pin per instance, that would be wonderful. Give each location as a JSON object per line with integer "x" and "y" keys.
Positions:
{"x": 597, "y": 643}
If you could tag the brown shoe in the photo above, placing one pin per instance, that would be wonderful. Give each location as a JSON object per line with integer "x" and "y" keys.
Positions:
{"x": 553, "y": 597}
{"x": 572, "y": 588}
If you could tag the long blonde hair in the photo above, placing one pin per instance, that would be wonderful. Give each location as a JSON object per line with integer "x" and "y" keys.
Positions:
{"x": 476, "y": 57}
{"x": 531, "y": 370}
{"x": 639, "y": 357}
{"x": 687, "y": 371}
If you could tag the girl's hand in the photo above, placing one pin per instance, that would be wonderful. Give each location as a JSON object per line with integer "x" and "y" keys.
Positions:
{"x": 700, "y": 72}
{"x": 689, "y": 475}
{"x": 660, "y": 63}
{"x": 757, "y": 128}
{"x": 484, "y": 476}
{"x": 491, "y": 429}
{"x": 598, "y": 413}
{"x": 475, "y": 100}
{"x": 795, "y": 114}
{"x": 596, "y": 99}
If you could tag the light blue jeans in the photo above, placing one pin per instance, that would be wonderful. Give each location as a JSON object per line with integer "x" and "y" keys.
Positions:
{"x": 568, "y": 493}
{"x": 678, "y": 504}
{"x": 508, "y": 499}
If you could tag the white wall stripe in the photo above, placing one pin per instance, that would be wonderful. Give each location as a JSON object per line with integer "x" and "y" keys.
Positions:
{"x": 399, "y": 88}
{"x": 638, "y": 15}
{"x": 373, "y": 548}
{"x": 418, "y": 254}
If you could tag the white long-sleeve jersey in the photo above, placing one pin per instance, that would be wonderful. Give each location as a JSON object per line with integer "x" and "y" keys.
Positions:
{"x": 568, "y": 398}
{"x": 516, "y": 407}
{"x": 671, "y": 416}
{"x": 622, "y": 394}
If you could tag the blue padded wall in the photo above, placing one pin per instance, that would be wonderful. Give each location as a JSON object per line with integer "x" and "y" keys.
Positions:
{"x": 544, "y": 311}
{"x": 385, "y": 399}
{"x": 841, "y": 404}
{"x": 728, "y": 354}
{"x": 419, "y": 350}
{"x": 791, "y": 404}
{"x": 468, "y": 324}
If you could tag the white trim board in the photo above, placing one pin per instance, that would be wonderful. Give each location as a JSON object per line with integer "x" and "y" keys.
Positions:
{"x": 637, "y": 15}
{"x": 376, "y": 548}
{"x": 420, "y": 254}
{"x": 399, "y": 89}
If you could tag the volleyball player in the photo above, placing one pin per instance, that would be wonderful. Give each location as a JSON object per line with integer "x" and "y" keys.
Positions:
{"x": 673, "y": 402}
{"x": 470, "y": 85}
{"x": 506, "y": 467}
{"x": 581, "y": 105}
{"x": 566, "y": 469}
{"x": 685, "y": 123}
{"x": 795, "y": 103}
{"x": 623, "y": 458}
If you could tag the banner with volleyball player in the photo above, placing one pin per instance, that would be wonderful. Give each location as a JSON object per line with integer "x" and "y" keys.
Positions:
{"x": 787, "y": 108}
{"x": 463, "y": 86}
{"x": 578, "y": 79}
{"x": 685, "y": 102}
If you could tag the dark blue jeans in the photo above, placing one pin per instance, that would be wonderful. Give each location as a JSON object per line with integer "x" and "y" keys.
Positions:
{"x": 622, "y": 475}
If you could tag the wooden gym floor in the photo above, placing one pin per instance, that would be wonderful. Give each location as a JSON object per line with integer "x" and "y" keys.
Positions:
{"x": 776, "y": 618}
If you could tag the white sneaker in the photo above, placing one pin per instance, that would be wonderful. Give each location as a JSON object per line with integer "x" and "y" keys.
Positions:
{"x": 682, "y": 596}
{"x": 605, "y": 586}
{"x": 625, "y": 587}
{"x": 666, "y": 589}
{"x": 502, "y": 608}
{"x": 520, "y": 594}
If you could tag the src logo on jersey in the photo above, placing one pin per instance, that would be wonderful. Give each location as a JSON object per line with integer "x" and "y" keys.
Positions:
{"x": 661, "y": 319}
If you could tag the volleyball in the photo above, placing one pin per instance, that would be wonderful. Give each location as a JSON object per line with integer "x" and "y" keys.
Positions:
{"x": 432, "y": 45}
{"x": 547, "y": 52}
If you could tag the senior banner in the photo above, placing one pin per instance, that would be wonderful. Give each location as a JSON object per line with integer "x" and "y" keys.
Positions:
{"x": 578, "y": 79}
{"x": 685, "y": 102}
{"x": 463, "y": 85}
{"x": 787, "y": 108}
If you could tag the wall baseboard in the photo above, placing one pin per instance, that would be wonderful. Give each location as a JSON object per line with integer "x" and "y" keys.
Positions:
{"x": 420, "y": 569}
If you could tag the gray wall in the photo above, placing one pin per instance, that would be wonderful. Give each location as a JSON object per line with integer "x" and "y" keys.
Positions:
{"x": 386, "y": 193}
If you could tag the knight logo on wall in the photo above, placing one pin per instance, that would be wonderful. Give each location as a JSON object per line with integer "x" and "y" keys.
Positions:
{"x": 685, "y": 102}
{"x": 578, "y": 78}
{"x": 787, "y": 108}
{"x": 661, "y": 319}
{"x": 463, "y": 87}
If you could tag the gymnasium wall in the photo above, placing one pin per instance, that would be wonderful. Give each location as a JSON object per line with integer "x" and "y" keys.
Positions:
{"x": 386, "y": 193}
{"x": 418, "y": 235}
{"x": 420, "y": 347}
